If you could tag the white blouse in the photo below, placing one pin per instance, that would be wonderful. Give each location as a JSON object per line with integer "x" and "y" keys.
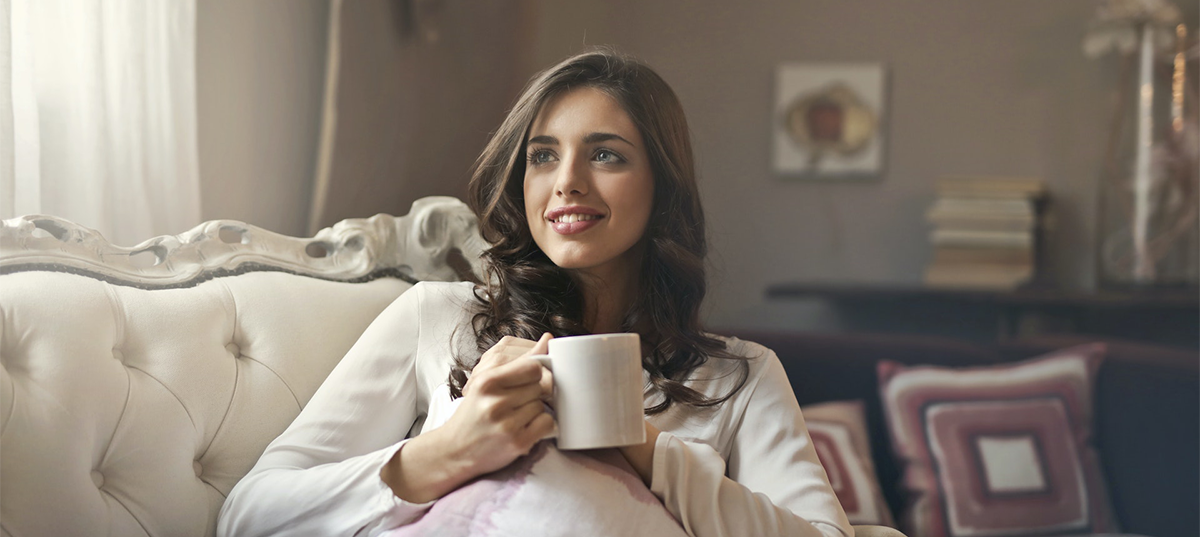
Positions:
{"x": 744, "y": 468}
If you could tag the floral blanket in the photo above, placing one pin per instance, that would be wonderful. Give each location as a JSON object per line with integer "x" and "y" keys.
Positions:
{"x": 551, "y": 492}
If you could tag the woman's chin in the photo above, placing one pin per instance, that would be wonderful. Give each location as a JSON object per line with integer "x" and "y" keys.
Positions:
{"x": 570, "y": 259}
{"x": 572, "y": 264}
{"x": 606, "y": 264}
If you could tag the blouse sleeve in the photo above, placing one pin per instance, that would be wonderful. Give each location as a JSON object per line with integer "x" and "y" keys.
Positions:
{"x": 321, "y": 476}
{"x": 773, "y": 486}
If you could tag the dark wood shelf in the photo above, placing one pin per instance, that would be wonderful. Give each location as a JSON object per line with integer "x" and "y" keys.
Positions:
{"x": 1155, "y": 298}
{"x": 1156, "y": 315}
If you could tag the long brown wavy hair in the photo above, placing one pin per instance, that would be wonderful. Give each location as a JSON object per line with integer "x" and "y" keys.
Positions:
{"x": 526, "y": 294}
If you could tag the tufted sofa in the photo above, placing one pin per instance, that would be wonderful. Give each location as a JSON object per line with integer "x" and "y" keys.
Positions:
{"x": 140, "y": 384}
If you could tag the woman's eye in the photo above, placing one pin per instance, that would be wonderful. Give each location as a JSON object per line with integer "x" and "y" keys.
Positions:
{"x": 605, "y": 155}
{"x": 540, "y": 156}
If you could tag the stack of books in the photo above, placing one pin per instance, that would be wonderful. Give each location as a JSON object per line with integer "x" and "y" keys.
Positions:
{"x": 985, "y": 232}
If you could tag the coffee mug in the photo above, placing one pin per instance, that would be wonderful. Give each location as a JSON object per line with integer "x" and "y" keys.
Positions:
{"x": 597, "y": 390}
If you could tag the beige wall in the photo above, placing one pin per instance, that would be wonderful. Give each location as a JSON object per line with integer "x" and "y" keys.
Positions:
{"x": 259, "y": 76}
{"x": 415, "y": 105}
{"x": 976, "y": 87}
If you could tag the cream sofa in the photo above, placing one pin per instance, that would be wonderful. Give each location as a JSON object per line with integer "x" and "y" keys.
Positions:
{"x": 140, "y": 384}
{"x": 136, "y": 393}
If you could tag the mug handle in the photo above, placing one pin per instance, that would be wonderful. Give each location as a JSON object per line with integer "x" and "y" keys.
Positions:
{"x": 544, "y": 360}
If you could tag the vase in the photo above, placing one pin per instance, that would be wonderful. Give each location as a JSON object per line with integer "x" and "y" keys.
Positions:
{"x": 1149, "y": 201}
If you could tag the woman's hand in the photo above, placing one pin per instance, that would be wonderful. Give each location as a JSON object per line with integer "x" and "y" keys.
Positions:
{"x": 498, "y": 420}
{"x": 509, "y": 348}
{"x": 641, "y": 456}
{"x": 502, "y": 416}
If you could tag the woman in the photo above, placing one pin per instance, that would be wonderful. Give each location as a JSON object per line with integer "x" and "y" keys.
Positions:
{"x": 587, "y": 194}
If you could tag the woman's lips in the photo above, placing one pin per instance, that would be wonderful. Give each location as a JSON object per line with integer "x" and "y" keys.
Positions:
{"x": 572, "y": 219}
{"x": 565, "y": 228}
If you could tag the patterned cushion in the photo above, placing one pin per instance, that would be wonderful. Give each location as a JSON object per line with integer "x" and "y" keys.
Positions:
{"x": 839, "y": 433}
{"x": 586, "y": 493}
{"x": 998, "y": 450}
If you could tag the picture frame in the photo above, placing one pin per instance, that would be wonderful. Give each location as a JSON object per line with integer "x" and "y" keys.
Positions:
{"x": 829, "y": 120}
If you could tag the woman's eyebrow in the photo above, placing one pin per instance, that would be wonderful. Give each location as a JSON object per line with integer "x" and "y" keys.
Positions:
{"x": 596, "y": 137}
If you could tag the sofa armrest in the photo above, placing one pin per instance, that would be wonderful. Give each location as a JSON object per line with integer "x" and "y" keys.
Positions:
{"x": 876, "y": 531}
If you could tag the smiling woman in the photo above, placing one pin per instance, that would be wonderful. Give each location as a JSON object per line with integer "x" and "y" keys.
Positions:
{"x": 434, "y": 423}
{"x": 599, "y": 121}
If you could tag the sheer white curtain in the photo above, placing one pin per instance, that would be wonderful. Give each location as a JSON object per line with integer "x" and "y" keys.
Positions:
{"x": 98, "y": 114}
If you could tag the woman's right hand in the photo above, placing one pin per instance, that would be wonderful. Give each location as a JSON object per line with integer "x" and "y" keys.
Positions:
{"x": 501, "y": 418}
{"x": 509, "y": 348}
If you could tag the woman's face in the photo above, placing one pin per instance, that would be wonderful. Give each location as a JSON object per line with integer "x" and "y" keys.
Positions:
{"x": 588, "y": 183}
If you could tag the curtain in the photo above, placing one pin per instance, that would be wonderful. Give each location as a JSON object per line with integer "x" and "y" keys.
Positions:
{"x": 329, "y": 118}
{"x": 98, "y": 114}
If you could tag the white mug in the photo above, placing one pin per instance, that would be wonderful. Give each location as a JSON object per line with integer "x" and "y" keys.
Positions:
{"x": 597, "y": 390}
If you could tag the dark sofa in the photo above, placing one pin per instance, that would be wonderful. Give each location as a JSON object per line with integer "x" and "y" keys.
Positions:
{"x": 1147, "y": 410}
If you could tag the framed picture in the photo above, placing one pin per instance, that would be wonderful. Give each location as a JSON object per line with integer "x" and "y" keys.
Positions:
{"x": 828, "y": 120}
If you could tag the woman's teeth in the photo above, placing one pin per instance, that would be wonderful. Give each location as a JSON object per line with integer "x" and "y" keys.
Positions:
{"x": 569, "y": 218}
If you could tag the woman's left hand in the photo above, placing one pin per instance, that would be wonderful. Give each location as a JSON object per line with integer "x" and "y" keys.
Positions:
{"x": 641, "y": 456}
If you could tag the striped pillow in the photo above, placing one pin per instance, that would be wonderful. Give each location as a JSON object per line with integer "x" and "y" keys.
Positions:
{"x": 998, "y": 450}
{"x": 839, "y": 433}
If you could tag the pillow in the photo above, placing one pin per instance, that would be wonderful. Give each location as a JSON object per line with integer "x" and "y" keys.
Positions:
{"x": 998, "y": 450}
{"x": 839, "y": 433}
{"x": 573, "y": 493}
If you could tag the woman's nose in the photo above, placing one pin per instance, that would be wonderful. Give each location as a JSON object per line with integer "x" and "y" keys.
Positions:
{"x": 572, "y": 179}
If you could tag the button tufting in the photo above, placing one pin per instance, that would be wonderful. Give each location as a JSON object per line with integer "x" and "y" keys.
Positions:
{"x": 233, "y": 349}
{"x": 118, "y": 355}
{"x": 97, "y": 478}
{"x": 196, "y": 467}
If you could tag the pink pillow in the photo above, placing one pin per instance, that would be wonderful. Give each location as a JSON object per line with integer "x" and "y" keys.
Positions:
{"x": 998, "y": 450}
{"x": 839, "y": 433}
